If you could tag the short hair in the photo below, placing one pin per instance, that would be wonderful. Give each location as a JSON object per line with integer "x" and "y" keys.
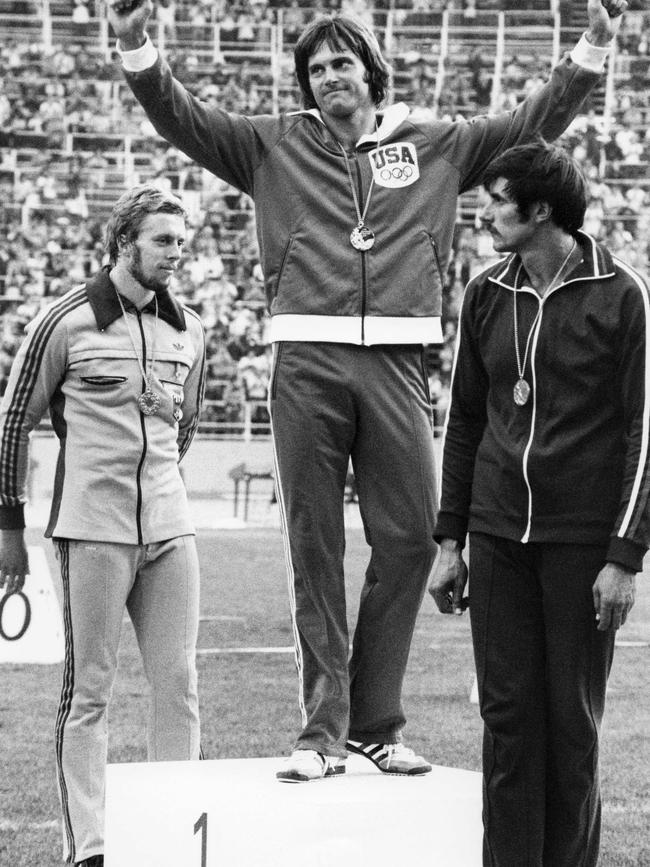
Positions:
{"x": 131, "y": 210}
{"x": 342, "y": 33}
{"x": 540, "y": 172}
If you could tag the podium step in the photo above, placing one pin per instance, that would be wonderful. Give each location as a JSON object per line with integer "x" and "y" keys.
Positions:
{"x": 234, "y": 813}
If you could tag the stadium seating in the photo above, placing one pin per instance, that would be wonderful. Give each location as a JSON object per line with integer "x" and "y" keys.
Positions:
{"x": 72, "y": 138}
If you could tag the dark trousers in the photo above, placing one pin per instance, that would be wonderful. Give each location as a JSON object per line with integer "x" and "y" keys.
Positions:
{"x": 331, "y": 403}
{"x": 542, "y": 671}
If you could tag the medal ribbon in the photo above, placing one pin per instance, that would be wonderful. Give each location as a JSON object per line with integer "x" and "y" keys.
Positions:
{"x": 146, "y": 376}
{"x": 522, "y": 367}
{"x": 361, "y": 217}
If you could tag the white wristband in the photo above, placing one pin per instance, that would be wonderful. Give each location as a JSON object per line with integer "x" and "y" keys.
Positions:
{"x": 590, "y": 56}
{"x": 141, "y": 58}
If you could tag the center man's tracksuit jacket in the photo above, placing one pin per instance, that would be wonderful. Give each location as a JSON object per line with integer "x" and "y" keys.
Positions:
{"x": 348, "y": 327}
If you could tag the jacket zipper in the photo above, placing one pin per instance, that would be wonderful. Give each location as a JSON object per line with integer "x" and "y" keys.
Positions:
{"x": 138, "y": 477}
{"x": 526, "y": 537}
{"x": 364, "y": 287}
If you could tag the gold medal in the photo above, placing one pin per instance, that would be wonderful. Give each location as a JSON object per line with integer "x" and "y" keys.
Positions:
{"x": 362, "y": 238}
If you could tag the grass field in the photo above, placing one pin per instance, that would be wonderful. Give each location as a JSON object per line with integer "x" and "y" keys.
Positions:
{"x": 249, "y": 701}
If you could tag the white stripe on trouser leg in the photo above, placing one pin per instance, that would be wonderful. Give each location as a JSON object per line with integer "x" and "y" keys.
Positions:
{"x": 287, "y": 558}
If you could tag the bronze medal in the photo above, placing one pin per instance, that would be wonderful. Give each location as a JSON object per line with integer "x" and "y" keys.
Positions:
{"x": 521, "y": 392}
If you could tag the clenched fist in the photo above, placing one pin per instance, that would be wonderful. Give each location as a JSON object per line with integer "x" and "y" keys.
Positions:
{"x": 128, "y": 18}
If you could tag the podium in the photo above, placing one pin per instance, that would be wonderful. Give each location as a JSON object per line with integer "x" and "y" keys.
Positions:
{"x": 234, "y": 813}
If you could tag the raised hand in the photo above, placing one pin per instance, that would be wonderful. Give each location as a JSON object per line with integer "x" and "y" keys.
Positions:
{"x": 128, "y": 18}
{"x": 604, "y": 20}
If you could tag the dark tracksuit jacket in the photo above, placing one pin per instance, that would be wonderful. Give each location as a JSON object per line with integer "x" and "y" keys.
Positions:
{"x": 348, "y": 378}
{"x": 549, "y": 492}
{"x": 573, "y": 464}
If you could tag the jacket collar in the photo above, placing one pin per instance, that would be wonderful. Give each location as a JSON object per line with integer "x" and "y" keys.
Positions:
{"x": 388, "y": 119}
{"x": 102, "y": 297}
{"x": 597, "y": 263}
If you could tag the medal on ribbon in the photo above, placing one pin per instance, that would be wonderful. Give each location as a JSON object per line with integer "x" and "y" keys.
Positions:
{"x": 362, "y": 238}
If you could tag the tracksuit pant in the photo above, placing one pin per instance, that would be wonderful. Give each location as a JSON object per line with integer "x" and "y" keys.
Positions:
{"x": 542, "y": 669}
{"x": 159, "y": 586}
{"x": 329, "y": 403}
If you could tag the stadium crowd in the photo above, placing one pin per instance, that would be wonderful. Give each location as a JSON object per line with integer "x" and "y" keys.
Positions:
{"x": 62, "y": 153}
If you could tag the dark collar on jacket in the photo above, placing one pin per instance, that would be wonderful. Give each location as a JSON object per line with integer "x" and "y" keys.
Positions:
{"x": 102, "y": 298}
{"x": 596, "y": 264}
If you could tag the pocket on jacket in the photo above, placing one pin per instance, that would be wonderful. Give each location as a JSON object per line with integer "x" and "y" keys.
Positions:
{"x": 103, "y": 380}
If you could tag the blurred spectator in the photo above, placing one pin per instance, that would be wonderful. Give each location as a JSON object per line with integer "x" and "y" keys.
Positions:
{"x": 166, "y": 17}
{"x": 253, "y": 371}
{"x": 81, "y": 18}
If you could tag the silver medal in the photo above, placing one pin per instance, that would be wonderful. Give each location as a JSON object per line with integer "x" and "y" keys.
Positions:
{"x": 362, "y": 238}
{"x": 521, "y": 392}
{"x": 149, "y": 402}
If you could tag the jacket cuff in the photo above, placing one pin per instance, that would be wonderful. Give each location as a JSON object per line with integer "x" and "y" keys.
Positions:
{"x": 591, "y": 57}
{"x": 450, "y": 526}
{"x": 139, "y": 59}
{"x": 626, "y": 553}
{"x": 12, "y": 517}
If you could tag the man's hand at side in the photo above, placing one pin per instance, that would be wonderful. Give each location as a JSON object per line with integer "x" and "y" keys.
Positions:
{"x": 449, "y": 578}
{"x": 14, "y": 564}
{"x": 613, "y": 594}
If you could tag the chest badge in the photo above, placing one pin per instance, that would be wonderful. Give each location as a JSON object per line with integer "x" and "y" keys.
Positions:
{"x": 395, "y": 165}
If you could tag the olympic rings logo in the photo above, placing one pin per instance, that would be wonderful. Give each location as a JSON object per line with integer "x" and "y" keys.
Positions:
{"x": 27, "y": 616}
{"x": 397, "y": 173}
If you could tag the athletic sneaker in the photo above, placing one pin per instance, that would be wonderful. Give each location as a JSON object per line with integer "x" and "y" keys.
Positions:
{"x": 303, "y": 766}
{"x": 391, "y": 758}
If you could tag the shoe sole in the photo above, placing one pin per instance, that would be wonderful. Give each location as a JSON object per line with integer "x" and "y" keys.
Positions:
{"x": 417, "y": 771}
{"x": 295, "y": 777}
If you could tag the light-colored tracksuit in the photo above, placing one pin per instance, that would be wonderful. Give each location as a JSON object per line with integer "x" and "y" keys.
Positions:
{"x": 348, "y": 329}
{"x": 119, "y": 519}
